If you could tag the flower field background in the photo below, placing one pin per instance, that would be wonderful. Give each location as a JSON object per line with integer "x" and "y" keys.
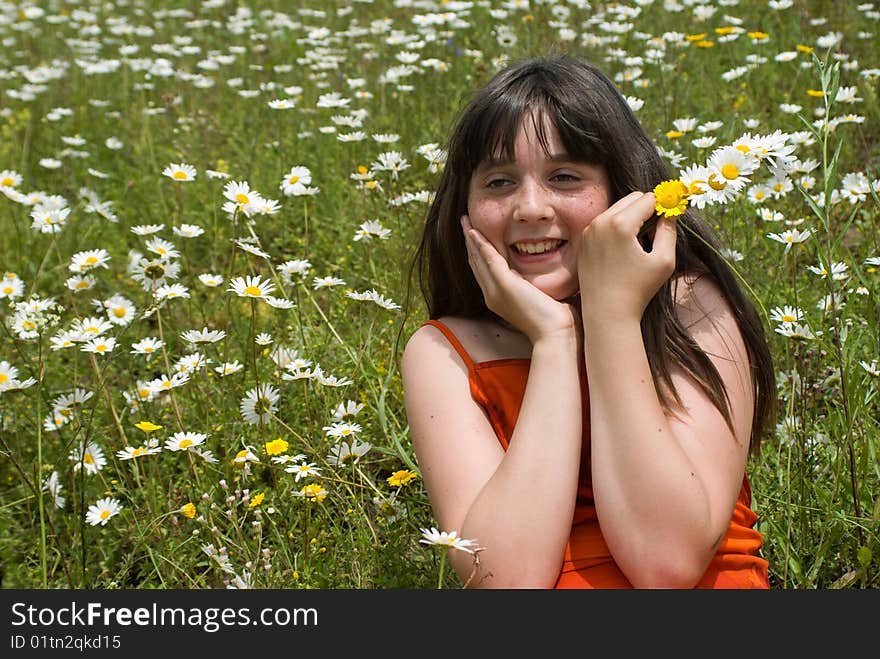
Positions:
{"x": 208, "y": 214}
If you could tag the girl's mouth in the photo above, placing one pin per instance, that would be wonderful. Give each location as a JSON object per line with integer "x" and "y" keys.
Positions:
{"x": 535, "y": 250}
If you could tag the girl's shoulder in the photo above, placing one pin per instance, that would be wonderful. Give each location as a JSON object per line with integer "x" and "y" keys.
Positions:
{"x": 484, "y": 340}
{"x": 693, "y": 289}
{"x": 701, "y": 303}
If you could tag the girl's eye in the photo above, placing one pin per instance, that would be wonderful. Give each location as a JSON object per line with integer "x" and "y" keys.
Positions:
{"x": 564, "y": 177}
{"x": 497, "y": 182}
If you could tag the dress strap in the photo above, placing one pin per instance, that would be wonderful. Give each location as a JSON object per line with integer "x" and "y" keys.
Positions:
{"x": 466, "y": 358}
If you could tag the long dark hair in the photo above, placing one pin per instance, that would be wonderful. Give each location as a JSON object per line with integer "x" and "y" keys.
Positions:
{"x": 596, "y": 125}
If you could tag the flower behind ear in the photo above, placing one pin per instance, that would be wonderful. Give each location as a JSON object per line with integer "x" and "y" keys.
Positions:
{"x": 671, "y": 198}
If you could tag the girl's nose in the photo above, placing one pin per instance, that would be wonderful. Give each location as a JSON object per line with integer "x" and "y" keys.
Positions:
{"x": 532, "y": 203}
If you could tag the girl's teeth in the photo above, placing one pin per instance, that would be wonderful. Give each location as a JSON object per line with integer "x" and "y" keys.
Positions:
{"x": 538, "y": 248}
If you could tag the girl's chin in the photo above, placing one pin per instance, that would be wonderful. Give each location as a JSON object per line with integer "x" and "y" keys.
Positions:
{"x": 557, "y": 290}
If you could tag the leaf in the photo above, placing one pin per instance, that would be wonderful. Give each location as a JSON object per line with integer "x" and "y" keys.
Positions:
{"x": 845, "y": 580}
{"x": 864, "y": 556}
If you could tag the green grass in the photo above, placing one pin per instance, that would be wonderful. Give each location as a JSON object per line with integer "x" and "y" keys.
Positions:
{"x": 815, "y": 481}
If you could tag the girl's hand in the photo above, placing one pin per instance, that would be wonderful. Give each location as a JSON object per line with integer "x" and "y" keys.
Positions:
{"x": 617, "y": 276}
{"x": 510, "y": 296}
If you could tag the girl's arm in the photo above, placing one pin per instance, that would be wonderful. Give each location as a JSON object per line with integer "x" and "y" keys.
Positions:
{"x": 518, "y": 505}
{"x": 664, "y": 487}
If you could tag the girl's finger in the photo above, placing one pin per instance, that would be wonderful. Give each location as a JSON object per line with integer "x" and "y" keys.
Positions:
{"x": 665, "y": 234}
{"x": 475, "y": 257}
{"x": 630, "y": 211}
{"x": 634, "y": 215}
{"x": 484, "y": 249}
{"x": 623, "y": 202}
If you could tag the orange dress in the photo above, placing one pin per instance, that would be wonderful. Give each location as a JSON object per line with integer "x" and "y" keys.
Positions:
{"x": 498, "y": 387}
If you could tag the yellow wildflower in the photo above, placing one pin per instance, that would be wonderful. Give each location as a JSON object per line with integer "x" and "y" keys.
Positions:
{"x": 276, "y": 447}
{"x": 401, "y": 478}
{"x": 671, "y": 198}
{"x": 146, "y": 426}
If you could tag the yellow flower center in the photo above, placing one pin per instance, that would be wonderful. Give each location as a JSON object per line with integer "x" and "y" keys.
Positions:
{"x": 668, "y": 198}
{"x": 242, "y": 198}
{"x": 88, "y": 459}
{"x": 101, "y": 348}
{"x": 788, "y": 318}
{"x": 293, "y": 179}
{"x": 144, "y": 393}
{"x": 105, "y": 514}
{"x": 7, "y": 182}
{"x": 730, "y": 171}
{"x": 760, "y": 195}
{"x": 119, "y": 312}
{"x": 82, "y": 284}
{"x": 716, "y": 184}
{"x": 138, "y": 451}
{"x": 4, "y": 378}
{"x": 184, "y": 443}
{"x": 253, "y": 291}
{"x": 8, "y": 290}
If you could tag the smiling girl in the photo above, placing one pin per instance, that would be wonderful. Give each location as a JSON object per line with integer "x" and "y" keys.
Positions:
{"x": 583, "y": 399}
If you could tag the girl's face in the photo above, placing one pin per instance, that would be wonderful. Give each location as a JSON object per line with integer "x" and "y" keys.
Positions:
{"x": 533, "y": 209}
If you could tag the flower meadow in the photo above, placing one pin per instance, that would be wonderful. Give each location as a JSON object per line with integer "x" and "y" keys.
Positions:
{"x": 208, "y": 215}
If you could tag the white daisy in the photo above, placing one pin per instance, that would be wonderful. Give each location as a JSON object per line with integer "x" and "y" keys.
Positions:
{"x": 88, "y": 260}
{"x": 89, "y": 456}
{"x": 259, "y": 404}
{"x": 303, "y": 470}
{"x": 448, "y": 539}
{"x": 210, "y": 279}
{"x": 100, "y": 345}
{"x": 180, "y": 172}
{"x": 102, "y": 511}
{"x": 188, "y": 230}
{"x": 204, "y": 335}
{"x": 184, "y": 441}
{"x": 349, "y": 408}
{"x": 251, "y": 286}
{"x": 343, "y": 452}
{"x": 327, "y": 282}
{"x": 131, "y": 452}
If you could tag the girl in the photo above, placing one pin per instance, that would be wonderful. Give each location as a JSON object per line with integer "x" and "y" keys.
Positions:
{"x": 583, "y": 399}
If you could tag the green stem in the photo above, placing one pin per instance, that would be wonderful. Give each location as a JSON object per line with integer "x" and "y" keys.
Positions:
{"x": 442, "y": 569}
{"x": 39, "y": 479}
